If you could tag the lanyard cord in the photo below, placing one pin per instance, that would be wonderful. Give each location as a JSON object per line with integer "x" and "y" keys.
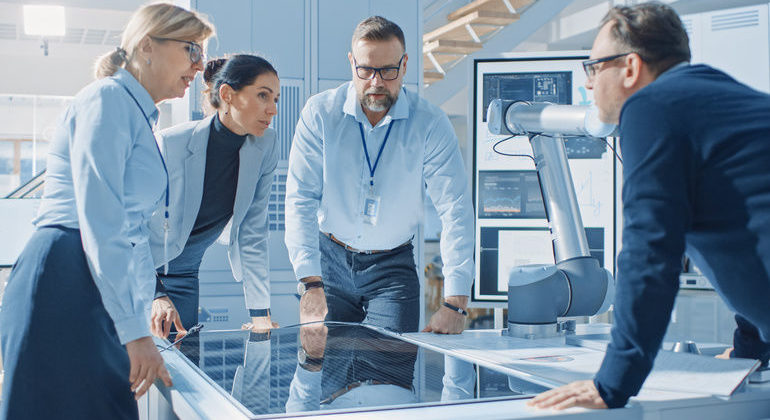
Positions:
{"x": 165, "y": 169}
{"x": 379, "y": 154}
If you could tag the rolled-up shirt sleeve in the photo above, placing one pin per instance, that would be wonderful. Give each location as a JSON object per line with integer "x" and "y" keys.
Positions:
{"x": 101, "y": 144}
{"x": 447, "y": 183}
{"x": 304, "y": 185}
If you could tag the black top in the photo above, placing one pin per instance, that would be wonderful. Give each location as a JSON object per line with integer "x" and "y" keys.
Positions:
{"x": 696, "y": 177}
{"x": 219, "y": 186}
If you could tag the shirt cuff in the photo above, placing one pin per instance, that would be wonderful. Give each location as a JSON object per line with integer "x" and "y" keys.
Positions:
{"x": 611, "y": 398}
{"x": 160, "y": 289}
{"x": 618, "y": 379}
{"x": 259, "y": 312}
{"x": 457, "y": 287}
{"x": 307, "y": 269}
{"x": 259, "y": 299}
{"x": 132, "y": 328}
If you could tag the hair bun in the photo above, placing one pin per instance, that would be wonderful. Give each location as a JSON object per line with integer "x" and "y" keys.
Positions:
{"x": 212, "y": 67}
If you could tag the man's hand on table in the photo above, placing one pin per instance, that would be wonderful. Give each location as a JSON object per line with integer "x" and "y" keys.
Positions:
{"x": 725, "y": 355}
{"x": 447, "y": 321}
{"x": 576, "y": 394}
{"x": 260, "y": 324}
{"x": 312, "y": 305}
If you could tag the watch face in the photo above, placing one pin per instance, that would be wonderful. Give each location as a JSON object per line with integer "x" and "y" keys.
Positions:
{"x": 300, "y": 288}
{"x": 301, "y": 355}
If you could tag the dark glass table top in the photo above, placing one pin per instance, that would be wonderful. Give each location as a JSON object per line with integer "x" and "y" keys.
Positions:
{"x": 337, "y": 366}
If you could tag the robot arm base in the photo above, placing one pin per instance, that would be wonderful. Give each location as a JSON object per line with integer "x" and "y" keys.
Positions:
{"x": 539, "y": 294}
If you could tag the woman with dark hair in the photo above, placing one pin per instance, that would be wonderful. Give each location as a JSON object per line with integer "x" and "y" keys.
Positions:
{"x": 220, "y": 169}
{"x": 75, "y": 331}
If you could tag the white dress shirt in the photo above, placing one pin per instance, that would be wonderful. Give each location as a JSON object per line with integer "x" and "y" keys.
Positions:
{"x": 328, "y": 181}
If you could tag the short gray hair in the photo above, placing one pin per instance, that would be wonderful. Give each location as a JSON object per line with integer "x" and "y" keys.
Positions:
{"x": 652, "y": 30}
{"x": 377, "y": 28}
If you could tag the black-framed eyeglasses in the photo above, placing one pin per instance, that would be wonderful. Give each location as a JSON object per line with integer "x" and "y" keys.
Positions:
{"x": 386, "y": 73}
{"x": 194, "y": 49}
{"x": 590, "y": 65}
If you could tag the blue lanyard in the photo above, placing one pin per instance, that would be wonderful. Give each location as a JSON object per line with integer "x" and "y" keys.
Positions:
{"x": 149, "y": 124}
{"x": 379, "y": 154}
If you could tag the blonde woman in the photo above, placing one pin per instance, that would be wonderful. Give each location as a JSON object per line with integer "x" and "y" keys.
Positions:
{"x": 75, "y": 329}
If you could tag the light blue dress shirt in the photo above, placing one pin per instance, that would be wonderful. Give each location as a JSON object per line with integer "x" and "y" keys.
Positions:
{"x": 105, "y": 177}
{"x": 328, "y": 181}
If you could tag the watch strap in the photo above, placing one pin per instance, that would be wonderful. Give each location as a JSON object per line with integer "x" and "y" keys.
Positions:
{"x": 306, "y": 360}
{"x": 460, "y": 311}
{"x": 313, "y": 285}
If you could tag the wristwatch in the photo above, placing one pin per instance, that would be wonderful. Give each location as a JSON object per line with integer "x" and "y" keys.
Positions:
{"x": 303, "y": 287}
{"x": 451, "y": 307}
{"x": 308, "y": 362}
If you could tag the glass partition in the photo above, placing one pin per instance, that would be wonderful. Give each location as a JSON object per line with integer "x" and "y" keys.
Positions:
{"x": 27, "y": 123}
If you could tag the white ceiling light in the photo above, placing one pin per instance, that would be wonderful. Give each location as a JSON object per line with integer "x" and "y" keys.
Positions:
{"x": 44, "y": 20}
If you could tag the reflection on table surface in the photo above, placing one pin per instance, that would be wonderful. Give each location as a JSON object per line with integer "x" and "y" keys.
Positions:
{"x": 332, "y": 366}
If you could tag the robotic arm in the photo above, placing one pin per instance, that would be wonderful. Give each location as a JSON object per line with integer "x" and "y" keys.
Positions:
{"x": 576, "y": 285}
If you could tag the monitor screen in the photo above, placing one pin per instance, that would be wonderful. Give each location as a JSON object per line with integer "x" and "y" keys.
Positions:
{"x": 555, "y": 87}
{"x": 511, "y": 224}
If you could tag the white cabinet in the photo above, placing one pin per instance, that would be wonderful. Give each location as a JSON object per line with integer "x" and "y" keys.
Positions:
{"x": 336, "y": 21}
{"x": 278, "y": 34}
{"x": 404, "y": 13}
{"x": 338, "y": 18}
{"x": 734, "y": 41}
{"x": 233, "y": 23}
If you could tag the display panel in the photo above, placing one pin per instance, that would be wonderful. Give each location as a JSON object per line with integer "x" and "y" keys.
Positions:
{"x": 511, "y": 224}
{"x": 553, "y": 87}
{"x": 321, "y": 367}
{"x": 509, "y": 195}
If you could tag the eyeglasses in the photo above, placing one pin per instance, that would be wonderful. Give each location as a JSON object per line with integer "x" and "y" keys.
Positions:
{"x": 386, "y": 73}
{"x": 194, "y": 49}
{"x": 590, "y": 65}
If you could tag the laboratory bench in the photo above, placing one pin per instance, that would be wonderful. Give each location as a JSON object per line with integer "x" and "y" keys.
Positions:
{"x": 347, "y": 370}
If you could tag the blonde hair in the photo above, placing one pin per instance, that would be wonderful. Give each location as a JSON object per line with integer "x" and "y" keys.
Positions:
{"x": 160, "y": 20}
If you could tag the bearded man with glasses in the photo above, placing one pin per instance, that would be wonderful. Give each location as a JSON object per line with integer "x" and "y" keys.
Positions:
{"x": 360, "y": 161}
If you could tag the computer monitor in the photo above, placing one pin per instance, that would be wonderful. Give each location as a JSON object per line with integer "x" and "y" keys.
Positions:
{"x": 511, "y": 224}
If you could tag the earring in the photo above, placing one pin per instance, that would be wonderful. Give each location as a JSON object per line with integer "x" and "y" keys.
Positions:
{"x": 148, "y": 62}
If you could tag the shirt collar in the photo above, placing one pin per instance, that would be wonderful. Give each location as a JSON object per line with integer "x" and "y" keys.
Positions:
{"x": 141, "y": 95}
{"x": 352, "y": 107}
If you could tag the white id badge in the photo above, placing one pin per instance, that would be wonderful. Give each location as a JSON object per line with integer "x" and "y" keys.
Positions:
{"x": 371, "y": 209}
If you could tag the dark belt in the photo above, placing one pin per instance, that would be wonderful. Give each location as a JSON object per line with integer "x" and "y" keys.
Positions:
{"x": 361, "y": 251}
{"x": 342, "y": 391}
